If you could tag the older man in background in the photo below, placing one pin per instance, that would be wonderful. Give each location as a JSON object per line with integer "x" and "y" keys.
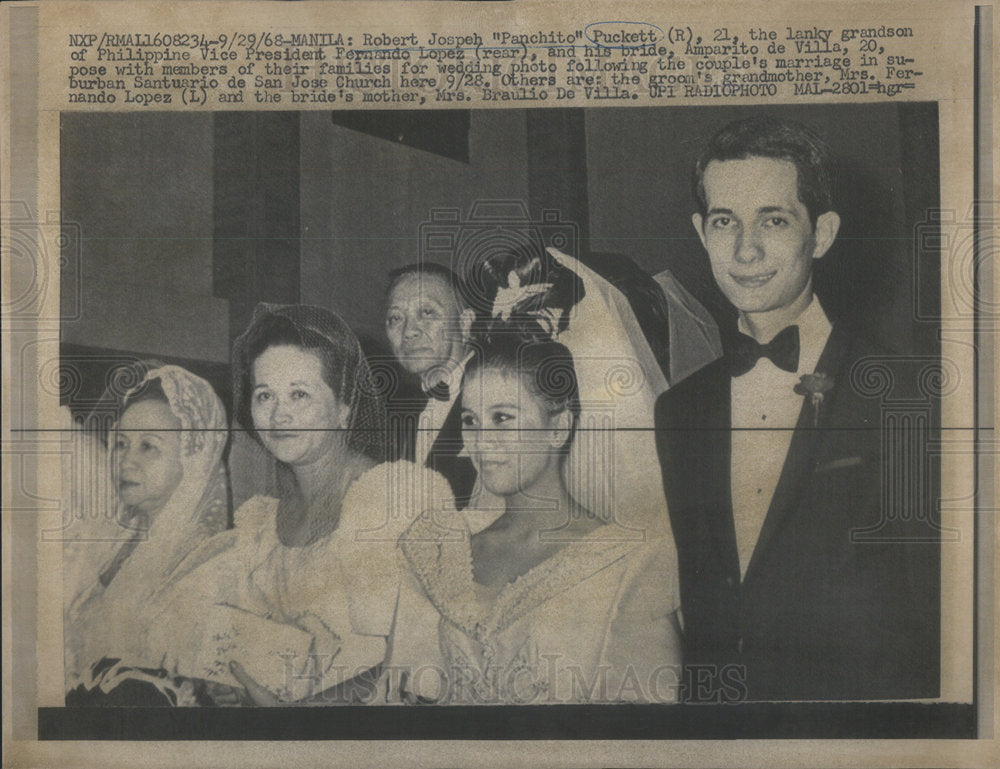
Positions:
{"x": 428, "y": 326}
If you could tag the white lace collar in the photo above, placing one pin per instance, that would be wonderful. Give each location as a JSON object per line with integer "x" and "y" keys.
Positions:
{"x": 439, "y": 552}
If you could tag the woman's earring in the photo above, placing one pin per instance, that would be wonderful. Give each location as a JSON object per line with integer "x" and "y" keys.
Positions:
{"x": 560, "y": 431}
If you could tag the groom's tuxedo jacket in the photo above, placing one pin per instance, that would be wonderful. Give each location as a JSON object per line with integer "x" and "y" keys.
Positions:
{"x": 841, "y": 597}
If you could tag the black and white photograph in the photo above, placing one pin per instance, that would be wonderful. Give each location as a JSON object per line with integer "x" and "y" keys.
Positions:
{"x": 637, "y": 422}
{"x": 479, "y": 408}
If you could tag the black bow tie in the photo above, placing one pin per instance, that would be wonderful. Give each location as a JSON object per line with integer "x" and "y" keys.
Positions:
{"x": 782, "y": 351}
{"x": 439, "y": 392}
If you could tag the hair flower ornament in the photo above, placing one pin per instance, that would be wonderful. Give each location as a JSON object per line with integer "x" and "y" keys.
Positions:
{"x": 508, "y": 298}
{"x": 815, "y": 386}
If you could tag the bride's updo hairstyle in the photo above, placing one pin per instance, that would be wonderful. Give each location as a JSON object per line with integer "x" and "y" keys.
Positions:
{"x": 544, "y": 366}
{"x": 524, "y": 289}
{"x": 525, "y": 298}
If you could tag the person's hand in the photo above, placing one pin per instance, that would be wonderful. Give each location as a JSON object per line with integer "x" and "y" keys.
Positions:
{"x": 225, "y": 696}
{"x": 259, "y": 694}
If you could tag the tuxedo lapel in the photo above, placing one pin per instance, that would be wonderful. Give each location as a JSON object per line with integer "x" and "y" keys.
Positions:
{"x": 801, "y": 451}
{"x": 444, "y": 457}
{"x": 448, "y": 441}
{"x": 694, "y": 422}
{"x": 715, "y": 437}
{"x": 403, "y": 410}
{"x": 696, "y": 451}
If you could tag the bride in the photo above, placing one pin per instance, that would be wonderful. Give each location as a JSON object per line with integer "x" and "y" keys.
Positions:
{"x": 545, "y": 602}
{"x": 540, "y": 598}
{"x": 612, "y": 467}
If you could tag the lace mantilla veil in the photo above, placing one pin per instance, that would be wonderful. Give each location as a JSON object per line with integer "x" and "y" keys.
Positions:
{"x": 114, "y": 563}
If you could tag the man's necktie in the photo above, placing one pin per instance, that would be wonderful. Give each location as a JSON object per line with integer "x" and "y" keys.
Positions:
{"x": 782, "y": 351}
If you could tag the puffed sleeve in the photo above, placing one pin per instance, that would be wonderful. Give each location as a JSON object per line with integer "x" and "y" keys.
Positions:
{"x": 377, "y": 509}
{"x": 643, "y": 645}
{"x": 417, "y": 668}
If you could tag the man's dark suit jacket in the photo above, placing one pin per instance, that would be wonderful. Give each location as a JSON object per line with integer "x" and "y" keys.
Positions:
{"x": 404, "y": 410}
{"x": 839, "y": 601}
{"x": 444, "y": 457}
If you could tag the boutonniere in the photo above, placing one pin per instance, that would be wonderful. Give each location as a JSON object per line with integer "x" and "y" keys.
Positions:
{"x": 815, "y": 386}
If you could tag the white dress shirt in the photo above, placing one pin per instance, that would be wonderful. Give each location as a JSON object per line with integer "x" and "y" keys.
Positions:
{"x": 765, "y": 409}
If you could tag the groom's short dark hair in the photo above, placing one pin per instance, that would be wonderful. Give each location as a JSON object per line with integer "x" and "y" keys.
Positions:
{"x": 776, "y": 138}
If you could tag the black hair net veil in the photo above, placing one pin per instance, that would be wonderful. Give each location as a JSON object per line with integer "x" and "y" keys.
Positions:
{"x": 350, "y": 378}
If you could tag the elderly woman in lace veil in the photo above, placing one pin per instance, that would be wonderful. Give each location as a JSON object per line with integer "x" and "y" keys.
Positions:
{"x": 300, "y": 601}
{"x": 537, "y": 599}
{"x": 123, "y": 549}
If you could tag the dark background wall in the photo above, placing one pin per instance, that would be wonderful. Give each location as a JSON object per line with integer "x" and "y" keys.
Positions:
{"x": 364, "y": 198}
{"x": 186, "y": 221}
{"x": 639, "y": 172}
{"x": 137, "y": 192}
{"x": 139, "y": 189}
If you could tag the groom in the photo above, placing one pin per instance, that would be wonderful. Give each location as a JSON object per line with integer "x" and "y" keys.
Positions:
{"x": 772, "y": 461}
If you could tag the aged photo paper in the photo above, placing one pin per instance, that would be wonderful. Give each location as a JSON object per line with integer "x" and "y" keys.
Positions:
{"x": 499, "y": 383}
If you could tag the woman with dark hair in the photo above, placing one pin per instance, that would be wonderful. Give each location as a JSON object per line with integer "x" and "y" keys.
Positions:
{"x": 303, "y": 590}
{"x": 612, "y": 466}
{"x": 331, "y": 430}
{"x": 538, "y": 600}
{"x": 167, "y": 435}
